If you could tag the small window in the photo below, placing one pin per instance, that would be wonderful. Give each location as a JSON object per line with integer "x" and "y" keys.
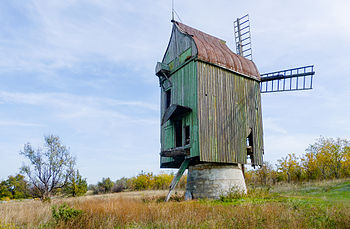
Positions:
{"x": 250, "y": 149}
{"x": 178, "y": 133}
{"x": 250, "y": 144}
{"x": 187, "y": 135}
{"x": 168, "y": 98}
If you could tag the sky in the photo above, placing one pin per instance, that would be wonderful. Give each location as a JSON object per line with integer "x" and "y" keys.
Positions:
{"x": 84, "y": 70}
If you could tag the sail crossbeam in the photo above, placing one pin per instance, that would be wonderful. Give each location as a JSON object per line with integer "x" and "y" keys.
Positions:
{"x": 288, "y": 80}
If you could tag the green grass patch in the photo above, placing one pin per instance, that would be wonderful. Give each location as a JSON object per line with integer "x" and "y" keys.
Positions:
{"x": 322, "y": 193}
{"x": 311, "y": 195}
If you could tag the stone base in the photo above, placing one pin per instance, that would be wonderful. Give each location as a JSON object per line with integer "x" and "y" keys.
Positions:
{"x": 211, "y": 180}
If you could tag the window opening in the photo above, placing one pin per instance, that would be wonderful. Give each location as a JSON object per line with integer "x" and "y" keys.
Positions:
{"x": 178, "y": 133}
{"x": 168, "y": 98}
{"x": 250, "y": 153}
{"x": 187, "y": 135}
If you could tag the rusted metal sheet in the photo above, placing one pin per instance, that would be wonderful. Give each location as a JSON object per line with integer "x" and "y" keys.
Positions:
{"x": 215, "y": 51}
{"x": 228, "y": 109}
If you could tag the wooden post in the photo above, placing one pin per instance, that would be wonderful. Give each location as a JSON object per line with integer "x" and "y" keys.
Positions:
{"x": 176, "y": 179}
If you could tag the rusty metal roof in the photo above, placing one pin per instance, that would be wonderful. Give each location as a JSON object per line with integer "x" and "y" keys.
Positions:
{"x": 214, "y": 50}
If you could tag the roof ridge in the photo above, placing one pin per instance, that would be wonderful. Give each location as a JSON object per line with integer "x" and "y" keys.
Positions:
{"x": 176, "y": 22}
{"x": 214, "y": 50}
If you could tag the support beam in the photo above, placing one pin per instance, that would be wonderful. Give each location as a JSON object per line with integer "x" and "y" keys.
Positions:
{"x": 175, "y": 152}
{"x": 176, "y": 179}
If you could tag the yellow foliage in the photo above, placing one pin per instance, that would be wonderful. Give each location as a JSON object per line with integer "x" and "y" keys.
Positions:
{"x": 327, "y": 158}
{"x": 8, "y": 226}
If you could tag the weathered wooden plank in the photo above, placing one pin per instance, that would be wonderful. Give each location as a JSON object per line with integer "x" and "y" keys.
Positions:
{"x": 227, "y": 110}
{"x": 178, "y": 151}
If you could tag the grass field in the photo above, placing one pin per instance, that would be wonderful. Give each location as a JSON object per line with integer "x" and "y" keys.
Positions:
{"x": 317, "y": 205}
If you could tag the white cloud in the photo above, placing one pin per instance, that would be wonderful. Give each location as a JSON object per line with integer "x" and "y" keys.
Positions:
{"x": 272, "y": 126}
{"x": 64, "y": 100}
{"x": 77, "y": 48}
{"x": 278, "y": 146}
{"x": 18, "y": 123}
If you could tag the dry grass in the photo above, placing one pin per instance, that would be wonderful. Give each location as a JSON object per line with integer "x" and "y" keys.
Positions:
{"x": 129, "y": 213}
{"x": 28, "y": 213}
{"x": 145, "y": 210}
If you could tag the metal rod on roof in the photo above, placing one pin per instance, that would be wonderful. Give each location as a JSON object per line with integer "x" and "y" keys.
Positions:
{"x": 172, "y": 10}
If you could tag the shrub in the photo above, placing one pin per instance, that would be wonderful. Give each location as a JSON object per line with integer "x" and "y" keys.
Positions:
{"x": 76, "y": 186}
{"x": 65, "y": 213}
{"x": 15, "y": 187}
{"x": 105, "y": 186}
{"x": 8, "y": 226}
{"x": 142, "y": 181}
{"x": 162, "y": 181}
{"x": 120, "y": 185}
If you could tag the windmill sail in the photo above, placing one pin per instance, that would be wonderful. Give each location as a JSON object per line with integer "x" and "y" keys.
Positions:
{"x": 242, "y": 37}
{"x": 288, "y": 80}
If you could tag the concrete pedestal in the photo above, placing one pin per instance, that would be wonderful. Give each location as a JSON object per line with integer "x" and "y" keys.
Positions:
{"x": 213, "y": 180}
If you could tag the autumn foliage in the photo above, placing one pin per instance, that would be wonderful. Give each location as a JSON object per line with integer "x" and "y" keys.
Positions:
{"x": 143, "y": 181}
{"x": 327, "y": 158}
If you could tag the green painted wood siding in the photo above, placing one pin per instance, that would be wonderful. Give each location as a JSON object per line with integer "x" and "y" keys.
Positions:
{"x": 184, "y": 93}
{"x": 228, "y": 105}
{"x": 179, "y": 48}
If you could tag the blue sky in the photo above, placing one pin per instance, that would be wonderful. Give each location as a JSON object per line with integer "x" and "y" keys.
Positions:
{"x": 84, "y": 70}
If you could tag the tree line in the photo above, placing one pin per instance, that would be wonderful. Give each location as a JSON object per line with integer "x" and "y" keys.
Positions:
{"x": 327, "y": 158}
{"x": 51, "y": 171}
{"x": 143, "y": 181}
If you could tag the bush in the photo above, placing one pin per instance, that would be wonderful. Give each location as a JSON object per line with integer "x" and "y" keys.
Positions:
{"x": 65, "y": 213}
{"x": 142, "y": 181}
{"x": 105, "y": 186}
{"x": 148, "y": 181}
{"x": 15, "y": 187}
{"x": 162, "y": 181}
{"x": 120, "y": 185}
{"x": 76, "y": 185}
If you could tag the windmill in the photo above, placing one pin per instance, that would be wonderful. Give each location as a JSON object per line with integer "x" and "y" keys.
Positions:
{"x": 211, "y": 121}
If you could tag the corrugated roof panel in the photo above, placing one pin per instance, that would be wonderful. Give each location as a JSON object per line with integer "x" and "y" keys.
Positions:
{"x": 214, "y": 50}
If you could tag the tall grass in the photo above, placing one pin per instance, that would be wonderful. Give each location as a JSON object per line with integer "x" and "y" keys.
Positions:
{"x": 145, "y": 210}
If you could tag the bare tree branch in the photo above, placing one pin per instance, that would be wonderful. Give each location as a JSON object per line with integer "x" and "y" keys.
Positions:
{"x": 50, "y": 167}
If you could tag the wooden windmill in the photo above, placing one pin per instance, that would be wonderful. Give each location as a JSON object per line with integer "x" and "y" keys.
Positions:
{"x": 211, "y": 121}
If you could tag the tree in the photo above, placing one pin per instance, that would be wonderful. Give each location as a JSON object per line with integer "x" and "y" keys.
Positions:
{"x": 142, "y": 181}
{"x": 76, "y": 185}
{"x": 331, "y": 155}
{"x": 15, "y": 187}
{"x": 266, "y": 173}
{"x": 105, "y": 185}
{"x": 162, "y": 181}
{"x": 18, "y": 187}
{"x": 5, "y": 193}
{"x": 50, "y": 167}
{"x": 120, "y": 185}
{"x": 311, "y": 166}
{"x": 290, "y": 168}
